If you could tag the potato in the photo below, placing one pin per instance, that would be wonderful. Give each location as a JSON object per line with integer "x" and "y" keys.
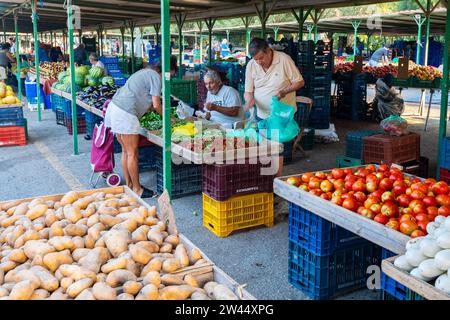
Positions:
{"x": 171, "y": 279}
{"x": 57, "y": 295}
{"x": 21, "y": 209}
{"x": 191, "y": 280}
{"x": 89, "y": 242}
{"x": 8, "y": 265}
{"x": 73, "y": 214}
{"x": 56, "y": 230}
{"x": 155, "y": 236}
{"x": 2, "y": 277}
{"x": 53, "y": 260}
{"x": 83, "y": 202}
{"x": 18, "y": 255}
{"x": 89, "y": 211}
{"x": 221, "y": 292}
{"x": 150, "y": 246}
{"x": 47, "y": 280}
{"x": 163, "y": 256}
{"x": 9, "y": 221}
{"x": 139, "y": 254}
{"x": 8, "y": 205}
{"x": 95, "y": 259}
{"x": 149, "y": 292}
{"x": 151, "y": 221}
{"x": 50, "y": 219}
{"x": 86, "y": 294}
{"x": 69, "y": 198}
{"x": 93, "y": 219}
{"x": 209, "y": 288}
{"x": 117, "y": 241}
{"x": 23, "y": 290}
{"x": 201, "y": 261}
{"x": 100, "y": 243}
{"x": 66, "y": 282}
{"x": 3, "y": 292}
{"x": 101, "y": 277}
{"x": 152, "y": 277}
{"x": 78, "y": 242}
{"x": 194, "y": 255}
{"x": 199, "y": 296}
{"x": 172, "y": 239}
{"x": 114, "y": 264}
{"x": 133, "y": 266}
{"x": 154, "y": 265}
{"x": 171, "y": 265}
{"x": 130, "y": 225}
{"x": 108, "y": 211}
{"x": 125, "y": 296}
{"x": 152, "y": 211}
{"x": 140, "y": 234}
{"x": 132, "y": 287}
{"x": 182, "y": 292}
{"x": 38, "y": 261}
{"x": 78, "y": 286}
{"x": 118, "y": 277}
{"x": 102, "y": 291}
{"x": 57, "y": 205}
{"x": 62, "y": 243}
{"x": 25, "y": 274}
{"x": 76, "y": 272}
{"x": 40, "y": 294}
{"x": 109, "y": 221}
{"x": 35, "y": 202}
{"x": 166, "y": 248}
{"x": 74, "y": 230}
{"x": 9, "y": 286}
{"x": 36, "y": 211}
{"x": 79, "y": 253}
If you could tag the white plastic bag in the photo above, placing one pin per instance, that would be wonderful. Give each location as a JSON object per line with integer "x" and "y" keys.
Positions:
{"x": 184, "y": 110}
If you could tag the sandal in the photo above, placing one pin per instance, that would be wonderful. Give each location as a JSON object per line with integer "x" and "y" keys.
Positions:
{"x": 147, "y": 193}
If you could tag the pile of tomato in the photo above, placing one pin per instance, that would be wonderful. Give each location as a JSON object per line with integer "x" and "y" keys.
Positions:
{"x": 386, "y": 195}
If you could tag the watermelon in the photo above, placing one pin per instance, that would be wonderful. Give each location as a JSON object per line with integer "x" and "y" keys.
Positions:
{"x": 66, "y": 80}
{"x": 80, "y": 80}
{"x": 68, "y": 88}
{"x": 62, "y": 75}
{"x": 96, "y": 72}
{"x": 60, "y": 86}
{"x": 108, "y": 81}
{"x": 83, "y": 70}
{"x": 91, "y": 81}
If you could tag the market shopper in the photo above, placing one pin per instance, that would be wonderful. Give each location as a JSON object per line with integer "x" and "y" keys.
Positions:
{"x": 80, "y": 54}
{"x": 380, "y": 56}
{"x": 141, "y": 92}
{"x": 95, "y": 62}
{"x": 223, "y": 104}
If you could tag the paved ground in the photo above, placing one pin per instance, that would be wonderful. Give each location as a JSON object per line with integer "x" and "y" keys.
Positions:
{"x": 257, "y": 257}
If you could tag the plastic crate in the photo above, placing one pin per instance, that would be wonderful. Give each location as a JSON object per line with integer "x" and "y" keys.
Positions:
{"x": 389, "y": 285}
{"x": 147, "y": 158}
{"x": 319, "y": 118}
{"x": 288, "y": 151}
{"x": 444, "y": 156}
{"x": 444, "y": 175}
{"x": 59, "y": 102}
{"x": 343, "y": 162}
{"x": 12, "y": 136}
{"x": 67, "y": 109}
{"x": 307, "y": 140}
{"x": 354, "y": 142}
{"x": 417, "y": 168}
{"x": 81, "y": 125}
{"x": 306, "y": 46}
{"x": 119, "y": 81}
{"x": 10, "y": 115}
{"x": 221, "y": 182}
{"x": 325, "y": 277}
{"x": 186, "y": 178}
{"x": 390, "y": 149}
{"x": 91, "y": 120}
{"x": 317, "y": 235}
{"x": 109, "y": 59}
{"x": 302, "y": 114}
{"x": 117, "y": 146}
{"x": 239, "y": 212}
{"x": 185, "y": 90}
{"x": 60, "y": 117}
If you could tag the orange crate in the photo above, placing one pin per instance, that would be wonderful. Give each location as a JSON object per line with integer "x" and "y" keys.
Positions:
{"x": 12, "y": 136}
{"x": 390, "y": 149}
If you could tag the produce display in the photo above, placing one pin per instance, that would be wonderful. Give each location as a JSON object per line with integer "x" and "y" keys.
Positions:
{"x": 424, "y": 73}
{"x": 50, "y": 69}
{"x": 84, "y": 76}
{"x": 381, "y": 72}
{"x": 97, "y": 95}
{"x": 385, "y": 195}
{"x": 428, "y": 258}
{"x": 95, "y": 247}
{"x": 7, "y": 95}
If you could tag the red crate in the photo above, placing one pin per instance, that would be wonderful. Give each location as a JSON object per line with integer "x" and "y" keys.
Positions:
{"x": 12, "y": 136}
{"x": 81, "y": 125}
{"x": 390, "y": 149}
{"x": 444, "y": 175}
{"x": 221, "y": 182}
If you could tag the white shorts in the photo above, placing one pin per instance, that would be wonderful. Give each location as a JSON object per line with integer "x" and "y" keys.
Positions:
{"x": 120, "y": 121}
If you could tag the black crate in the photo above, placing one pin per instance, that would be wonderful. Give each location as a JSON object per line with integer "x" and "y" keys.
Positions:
{"x": 60, "y": 117}
{"x": 306, "y": 46}
{"x": 319, "y": 117}
{"x": 287, "y": 151}
{"x": 307, "y": 140}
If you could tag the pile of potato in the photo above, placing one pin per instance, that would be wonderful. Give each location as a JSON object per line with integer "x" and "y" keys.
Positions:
{"x": 97, "y": 247}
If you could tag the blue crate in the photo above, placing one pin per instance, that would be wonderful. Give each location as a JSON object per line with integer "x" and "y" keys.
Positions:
{"x": 354, "y": 142}
{"x": 325, "y": 277}
{"x": 59, "y": 102}
{"x": 60, "y": 117}
{"x": 67, "y": 109}
{"x": 302, "y": 114}
{"x": 444, "y": 157}
{"x": 48, "y": 101}
{"x": 30, "y": 92}
{"x": 17, "y": 122}
{"x": 117, "y": 146}
{"x": 119, "y": 81}
{"x": 115, "y": 73}
{"x": 317, "y": 235}
{"x": 91, "y": 120}
{"x": 109, "y": 59}
{"x": 321, "y": 101}
{"x": 8, "y": 115}
{"x": 389, "y": 285}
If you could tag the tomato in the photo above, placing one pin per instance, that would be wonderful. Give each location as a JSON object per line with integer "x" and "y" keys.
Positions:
{"x": 407, "y": 217}
{"x": 419, "y": 208}
{"x": 415, "y": 180}
{"x": 444, "y": 211}
{"x": 408, "y": 191}
{"x": 316, "y": 192}
{"x": 421, "y": 217}
{"x": 370, "y": 201}
{"x": 337, "y": 173}
{"x": 348, "y": 171}
{"x": 387, "y": 196}
{"x": 381, "y": 218}
{"x": 359, "y": 186}
{"x": 350, "y": 177}
{"x": 371, "y": 168}
{"x": 325, "y": 196}
{"x": 368, "y": 213}
{"x": 440, "y": 188}
{"x": 349, "y": 184}
{"x": 350, "y": 204}
{"x": 393, "y": 224}
{"x": 407, "y": 227}
{"x": 429, "y": 201}
{"x": 306, "y": 177}
{"x": 362, "y": 172}
{"x": 330, "y": 178}
{"x": 404, "y": 200}
{"x": 360, "y": 210}
{"x": 383, "y": 168}
{"x": 386, "y": 184}
{"x": 407, "y": 211}
{"x": 294, "y": 181}
{"x": 414, "y": 203}
{"x": 380, "y": 175}
{"x": 304, "y": 187}
{"x": 314, "y": 183}
{"x": 376, "y": 208}
{"x": 417, "y": 233}
{"x": 371, "y": 186}
{"x": 422, "y": 187}
{"x": 399, "y": 189}
{"x": 339, "y": 184}
{"x": 326, "y": 186}
{"x": 337, "y": 200}
{"x": 377, "y": 194}
{"x": 395, "y": 176}
{"x": 389, "y": 209}
{"x": 321, "y": 175}
{"x": 443, "y": 199}
{"x": 417, "y": 195}
{"x": 423, "y": 225}
{"x": 372, "y": 177}
{"x": 430, "y": 181}
{"x": 432, "y": 213}
{"x": 360, "y": 196}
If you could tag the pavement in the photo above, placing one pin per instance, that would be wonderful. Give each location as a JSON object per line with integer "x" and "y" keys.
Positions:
{"x": 257, "y": 257}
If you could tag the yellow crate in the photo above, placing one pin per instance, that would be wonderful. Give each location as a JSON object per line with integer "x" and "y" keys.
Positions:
{"x": 239, "y": 212}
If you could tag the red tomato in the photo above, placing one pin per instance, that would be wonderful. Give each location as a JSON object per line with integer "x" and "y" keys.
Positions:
{"x": 316, "y": 192}
{"x": 414, "y": 203}
{"x": 383, "y": 168}
{"x": 362, "y": 172}
{"x": 418, "y": 233}
{"x": 348, "y": 171}
{"x": 389, "y": 209}
{"x": 407, "y": 227}
{"x": 419, "y": 208}
{"x": 304, "y": 187}
{"x": 306, "y": 177}
{"x": 314, "y": 183}
{"x": 330, "y": 178}
{"x": 372, "y": 177}
{"x": 338, "y": 173}
{"x": 370, "y": 201}
{"x": 381, "y": 218}
{"x": 406, "y": 217}
{"x": 326, "y": 186}
{"x": 380, "y": 175}
{"x": 325, "y": 196}
{"x": 429, "y": 201}
{"x": 321, "y": 175}
{"x": 421, "y": 217}
{"x": 444, "y": 211}
{"x": 350, "y": 204}
{"x": 377, "y": 194}
{"x": 371, "y": 186}
{"x": 294, "y": 181}
{"x": 360, "y": 210}
{"x": 396, "y": 176}
{"x": 417, "y": 195}
{"x": 368, "y": 213}
{"x": 393, "y": 224}
{"x": 399, "y": 189}
{"x": 404, "y": 200}
{"x": 360, "y": 196}
{"x": 407, "y": 211}
{"x": 386, "y": 184}
{"x": 350, "y": 177}
{"x": 443, "y": 199}
{"x": 432, "y": 213}
{"x": 371, "y": 168}
{"x": 440, "y": 188}
{"x": 415, "y": 180}
{"x": 422, "y": 187}
{"x": 387, "y": 196}
{"x": 339, "y": 184}
{"x": 430, "y": 181}
{"x": 408, "y": 191}
{"x": 359, "y": 186}
{"x": 376, "y": 207}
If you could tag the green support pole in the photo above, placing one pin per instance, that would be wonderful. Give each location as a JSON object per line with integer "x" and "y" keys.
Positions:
{"x": 180, "y": 23}
{"x": 36, "y": 59}
{"x": 122, "y": 32}
{"x": 228, "y": 35}
{"x": 200, "y": 28}
{"x": 355, "y": 24}
{"x": 248, "y": 34}
{"x": 165, "y": 51}
{"x": 419, "y": 22}
{"x": 310, "y": 28}
{"x": 72, "y": 81}
{"x": 157, "y": 27}
{"x": 64, "y": 36}
{"x": 19, "y": 81}
{"x": 427, "y": 33}
{"x": 132, "y": 25}
{"x": 210, "y": 24}
{"x": 275, "y": 32}
{"x": 444, "y": 92}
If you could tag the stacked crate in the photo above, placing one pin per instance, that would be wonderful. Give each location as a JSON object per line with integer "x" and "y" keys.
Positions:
{"x": 352, "y": 96}
{"x": 315, "y": 64}
{"x": 81, "y": 121}
{"x": 302, "y": 119}
{"x": 112, "y": 65}
{"x": 59, "y": 104}
{"x": 91, "y": 120}
{"x": 324, "y": 259}
{"x": 444, "y": 160}
{"x": 147, "y": 153}
{"x": 237, "y": 196}
{"x": 13, "y": 126}
{"x": 185, "y": 90}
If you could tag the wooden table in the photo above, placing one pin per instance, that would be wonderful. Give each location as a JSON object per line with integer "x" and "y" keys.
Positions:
{"x": 373, "y": 231}
{"x": 423, "y": 288}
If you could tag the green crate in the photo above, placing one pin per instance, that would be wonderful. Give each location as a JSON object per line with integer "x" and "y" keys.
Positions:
{"x": 343, "y": 161}
{"x": 421, "y": 83}
{"x": 411, "y": 295}
{"x": 404, "y": 83}
{"x": 186, "y": 90}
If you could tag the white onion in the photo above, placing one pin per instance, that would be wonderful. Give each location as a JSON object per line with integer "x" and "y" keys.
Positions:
{"x": 414, "y": 257}
{"x": 429, "y": 247}
{"x": 429, "y": 269}
{"x": 442, "y": 260}
{"x": 417, "y": 274}
{"x": 443, "y": 240}
{"x": 403, "y": 264}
